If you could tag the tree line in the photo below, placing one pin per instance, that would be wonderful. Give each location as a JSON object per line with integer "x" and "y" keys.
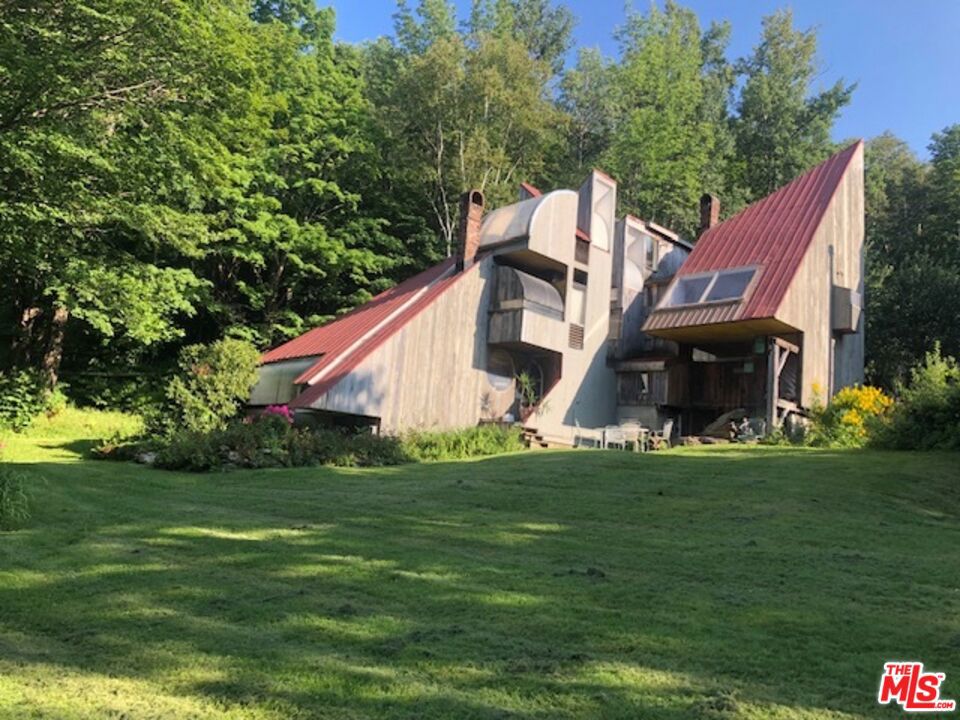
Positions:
{"x": 181, "y": 171}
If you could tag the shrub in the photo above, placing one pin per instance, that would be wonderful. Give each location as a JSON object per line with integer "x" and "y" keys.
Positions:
{"x": 853, "y": 413}
{"x": 281, "y": 411}
{"x": 457, "y": 444}
{"x": 14, "y": 504}
{"x": 212, "y": 384}
{"x": 25, "y": 396}
{"x": 927, "y": 413}
{"x": 270, "y": 441}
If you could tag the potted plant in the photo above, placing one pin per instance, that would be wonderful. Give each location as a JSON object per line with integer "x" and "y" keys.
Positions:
{"x": 527, "y": 394}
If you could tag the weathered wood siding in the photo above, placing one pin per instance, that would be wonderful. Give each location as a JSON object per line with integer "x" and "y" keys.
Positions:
{"x": 838, "y": 243}
{"x": 729, "y": 385}
{"x": 432, "y": 372}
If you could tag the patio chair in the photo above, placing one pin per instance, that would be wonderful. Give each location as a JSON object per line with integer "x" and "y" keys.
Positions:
{"x": 635, "y": 433}
{"x": 614, "y": 436}
{"x": 661, "y": 438}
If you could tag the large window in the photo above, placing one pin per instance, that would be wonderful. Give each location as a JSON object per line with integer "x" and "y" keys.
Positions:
{"x": 729, "y": 285}
{"x": 689, "y": 290}
{"x": 719, "y": 286}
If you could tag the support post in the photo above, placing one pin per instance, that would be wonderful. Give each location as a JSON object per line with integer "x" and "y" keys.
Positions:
{"x": 773, "y": 382}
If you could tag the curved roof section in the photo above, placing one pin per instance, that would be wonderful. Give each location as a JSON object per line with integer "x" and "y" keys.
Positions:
{"x": 517, "y": 221}
{"x": 538, "y": 291}
{"x": 772, "y": 235}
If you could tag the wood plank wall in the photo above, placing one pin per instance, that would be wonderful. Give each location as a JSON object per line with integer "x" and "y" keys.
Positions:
{"x": 837, "y": 242}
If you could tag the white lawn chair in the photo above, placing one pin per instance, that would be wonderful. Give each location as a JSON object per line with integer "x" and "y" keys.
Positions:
{"x": 662, "y": 438}
{"x": 636, "y": 434}
{"x": 614, "y": 436}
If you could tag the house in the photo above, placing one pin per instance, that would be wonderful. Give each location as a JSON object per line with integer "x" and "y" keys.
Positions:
{"x": 603, "y": 320}
{"x": 767, "y": 311}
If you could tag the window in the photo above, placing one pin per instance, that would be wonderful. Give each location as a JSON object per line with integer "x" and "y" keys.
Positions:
{"x": 689, "y": 290}
{"x": 582, "y": 252}
{"x": 633, "y": 388}
{"x": 720, "y": 286}
{"x": 650, "y": 255}
{"x": 500, "y": 370}
{"x": 730, "y": 285}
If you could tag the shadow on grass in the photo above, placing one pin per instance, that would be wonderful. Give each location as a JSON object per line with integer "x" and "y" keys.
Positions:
{"x": 537, "y": 585}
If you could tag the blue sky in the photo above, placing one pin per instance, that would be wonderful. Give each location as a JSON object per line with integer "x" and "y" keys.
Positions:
{"x": 904, "y": 55}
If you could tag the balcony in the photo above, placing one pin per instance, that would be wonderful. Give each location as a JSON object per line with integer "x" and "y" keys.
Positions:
{"x": 525, "y": 312}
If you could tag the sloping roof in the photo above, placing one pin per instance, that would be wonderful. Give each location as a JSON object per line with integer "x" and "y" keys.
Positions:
{"x": 342, "y": 344}
{"x": 528, "y": 190}
{"x": 772, "y": 235}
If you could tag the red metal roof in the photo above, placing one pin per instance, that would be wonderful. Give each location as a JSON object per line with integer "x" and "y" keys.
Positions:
{"x": 355, "y": 334}
{"x": 530, "y": 190}
{"x": 347, "y": 328}
{"x": 772, "y": 234}
{"x": 342, "y": 344}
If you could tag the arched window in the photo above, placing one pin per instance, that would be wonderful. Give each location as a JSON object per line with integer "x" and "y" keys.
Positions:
{"x": 500, "y": 370}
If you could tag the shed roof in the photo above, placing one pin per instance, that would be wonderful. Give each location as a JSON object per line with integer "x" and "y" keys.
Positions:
{"x": 772, "y": 234}
{"x": 342, "y": 344}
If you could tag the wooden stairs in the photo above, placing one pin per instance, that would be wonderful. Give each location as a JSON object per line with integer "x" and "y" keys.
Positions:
{"x": 534, "y": 440}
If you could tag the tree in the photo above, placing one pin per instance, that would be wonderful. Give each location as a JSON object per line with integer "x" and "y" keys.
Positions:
{"x": 913, "y": 263}
{"x": 779, "y": 120}
{"x": 111, "y": 119}
{"x": 944, "y": 224}
{"x": 463, "y": 114}
{"x": 294, "y": 245}
{"x": 587, "y": 98}
{"x": 664, "y": 138}
{"x": 170, "y": 160}
{"x": 417, "y": 31}
{"x": 719, "y": 78}
{"x": 543, "y": 29}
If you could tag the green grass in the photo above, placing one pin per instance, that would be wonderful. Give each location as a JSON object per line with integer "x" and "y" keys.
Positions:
{"x": 730, "y": 583}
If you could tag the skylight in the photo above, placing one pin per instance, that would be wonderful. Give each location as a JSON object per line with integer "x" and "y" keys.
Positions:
{"x": 719, "y": 286}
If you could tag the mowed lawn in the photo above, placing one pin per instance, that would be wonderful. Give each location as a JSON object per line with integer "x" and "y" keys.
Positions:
{"x": 711, "y": 583}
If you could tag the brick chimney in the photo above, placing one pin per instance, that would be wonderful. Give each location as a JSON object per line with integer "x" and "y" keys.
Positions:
{"x": 468, "y": 234}
{"x": 709, "y": 212}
